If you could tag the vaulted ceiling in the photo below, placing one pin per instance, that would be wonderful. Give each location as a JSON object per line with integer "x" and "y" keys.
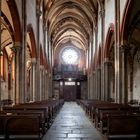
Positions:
{"x": 71, "y": 20}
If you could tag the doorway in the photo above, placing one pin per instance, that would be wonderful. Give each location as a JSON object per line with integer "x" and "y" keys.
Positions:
{"x": 69, "y": 91}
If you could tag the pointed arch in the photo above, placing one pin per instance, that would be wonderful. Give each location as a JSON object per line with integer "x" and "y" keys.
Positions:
{"x": 16, "y": 20}
{"x": 32, "y": 39}
{"x": 41, "y": 56}
{"x": 99, "y": 56}
{"x": 108, "y": 40}
{"x": 126, "y": 17}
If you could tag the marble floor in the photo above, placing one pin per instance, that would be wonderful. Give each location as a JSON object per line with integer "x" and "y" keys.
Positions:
{"x": 72, "y": 123}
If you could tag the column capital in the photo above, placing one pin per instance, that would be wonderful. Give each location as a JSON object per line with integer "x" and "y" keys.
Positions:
{"x": 49, "y": 75}
{"x": 124, "y": 43}
{"x": 89, "y": 75}
{"x": 93, "y": 71}
{"x": 18, "y": 44}
{"x": 45, "y": 28}
{"x": 124, "y": 48}
{"x": 95, "y": 28}
{"x": 41, "y": 67}
{"x": 33, "y": 60}
{"x": 16, "y": 47}
{"x": 107, "y": 61}
{"x": 46, "y": 72}
{"x": 38, "y": 10}
{"x": 102, "y": 12}
{"x": 98, "y": 68}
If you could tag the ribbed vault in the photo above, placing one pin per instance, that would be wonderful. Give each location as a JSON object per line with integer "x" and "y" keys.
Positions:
{"x": 70, "y": 20}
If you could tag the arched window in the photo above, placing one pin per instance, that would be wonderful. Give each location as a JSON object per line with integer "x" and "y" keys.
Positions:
{"x": 69, "y": 56}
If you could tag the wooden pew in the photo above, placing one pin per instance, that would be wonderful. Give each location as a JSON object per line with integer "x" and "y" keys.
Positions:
{"x": 45, "y": 110}
{"x": 88, "y": 105}
{"x": 2, "y": 129}
{"x": 103, "y": 116}
{"x": 40, "y": 113}
{"x": 120, "y": 114}
{"x": 93, "y": 105}
{"x": 49, "y": 107}
{"x": 122, "y": 127}
{"x": 110, "y": 108}
{"x": 32, "y": 108}
{"x": 102, "y": 112}
{"x": 21, "y": 126}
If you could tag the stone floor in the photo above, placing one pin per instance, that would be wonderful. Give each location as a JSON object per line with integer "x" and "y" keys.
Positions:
{"x": 72, "y": 124}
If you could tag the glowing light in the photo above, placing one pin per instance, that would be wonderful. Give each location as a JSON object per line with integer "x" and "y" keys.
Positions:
{"x": 61, "y": 83}
{"x": 70, "y": 79}
{"x": 70, "y": 56}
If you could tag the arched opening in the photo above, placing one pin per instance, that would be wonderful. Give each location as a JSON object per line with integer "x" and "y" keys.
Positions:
{"x": 30, "y": 64}
{"x": 109, "y": 65}
{"x": 68, "y": 71}
{"x": 9, "y": 26}
{"x": 130, "y": 39}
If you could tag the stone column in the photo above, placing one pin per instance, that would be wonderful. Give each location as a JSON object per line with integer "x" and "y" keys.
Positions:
{"x": 95, "y": 64}
{"x": 88, "y": 75}
{"x": 9, "y": 80}
{"x": 107, "y": 65}
{"x": 91, "y": 81}
{"x": 0, "y": 53}
{"x": 22, "y": 56}
{"x": 43, "y": 98}
{"x": 46, "y": 84}
{"x": 94, "y": 86}
{"x": 102, "y": 15}
{"x": 124, "y": 96}
{"x": 16, "y": 49}
{"x": 99, "y": 83}
{"x": 102, "y": 76}
{"x": 31, "y": 83}
{"x": 50, "y": 85}
{"x": 38, "y": 14}
{"x": 44, "y": 88}
{"x": 33, "y": 79}
{"x": 117, "y": 53}
{"x": 41, "y": 81}
{"x": 88, "y": 86}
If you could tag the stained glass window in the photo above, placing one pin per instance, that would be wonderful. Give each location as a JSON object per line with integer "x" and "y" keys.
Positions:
{"x": 70, "y": 56}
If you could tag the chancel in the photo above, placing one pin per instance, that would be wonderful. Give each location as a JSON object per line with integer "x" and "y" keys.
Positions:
{"x": 70, "y": 69}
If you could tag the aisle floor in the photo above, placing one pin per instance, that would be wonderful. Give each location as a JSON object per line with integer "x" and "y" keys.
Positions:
{"x": 72, "y": 123}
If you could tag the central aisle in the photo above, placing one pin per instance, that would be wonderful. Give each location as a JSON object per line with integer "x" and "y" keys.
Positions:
{"x": 72, "y": 124}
